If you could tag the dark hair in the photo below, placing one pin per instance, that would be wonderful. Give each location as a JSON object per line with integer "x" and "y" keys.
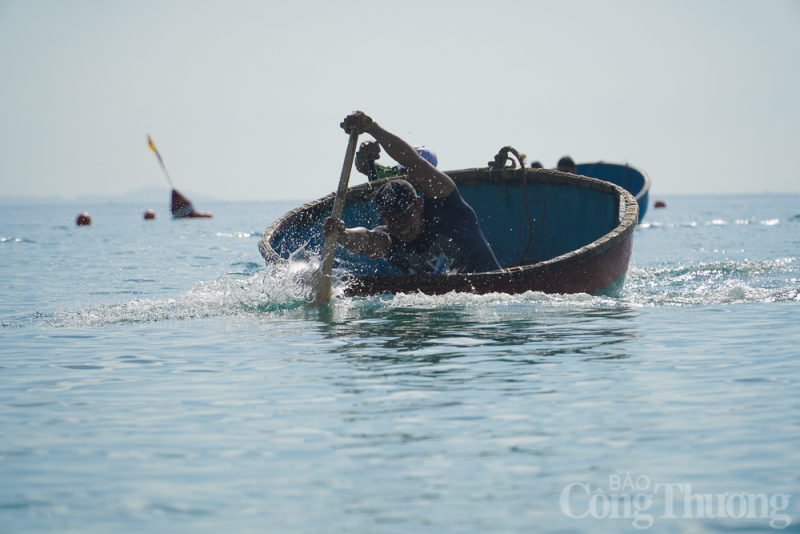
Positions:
{"x": 566, "y": 163}
{"x": 394, "y": 197}
{"x": 536, "y": 165}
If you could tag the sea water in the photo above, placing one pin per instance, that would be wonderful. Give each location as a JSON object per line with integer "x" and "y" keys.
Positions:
{"x": 156, "y": 376}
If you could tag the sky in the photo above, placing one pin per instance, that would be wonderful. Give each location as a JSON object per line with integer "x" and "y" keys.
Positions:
{"x": 244, "y": 98}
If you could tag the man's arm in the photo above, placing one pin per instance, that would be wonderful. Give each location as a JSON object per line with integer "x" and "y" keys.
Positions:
{"x": 359, "y": 240}
{"x": 426, "y": 178}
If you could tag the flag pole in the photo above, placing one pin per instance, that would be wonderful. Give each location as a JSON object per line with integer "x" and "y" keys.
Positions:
{"x": 161, "y": 161}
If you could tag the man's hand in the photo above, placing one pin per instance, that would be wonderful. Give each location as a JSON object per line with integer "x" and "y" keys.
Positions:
{"x": 357, "y": 120}
{"x": 358, "y": 239}
{"x": 369, "y": 150}
{"x": 330, "y": 224}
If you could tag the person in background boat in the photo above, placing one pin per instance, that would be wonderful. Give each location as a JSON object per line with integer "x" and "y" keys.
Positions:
{"x": 536, "y": 165}
{"x": 566, "y": 164}
{"x": 369, "y": 151}
{"x": 435, "y": 235}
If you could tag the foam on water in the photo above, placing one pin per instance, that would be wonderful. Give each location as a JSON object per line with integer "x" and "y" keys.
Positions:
{"x": 282, "y": 286}
{"x": 714, "y": 222}
{"x": 725, "y": 282}
{"x": 288, "y": 286}
{"x": 274, "y": 289}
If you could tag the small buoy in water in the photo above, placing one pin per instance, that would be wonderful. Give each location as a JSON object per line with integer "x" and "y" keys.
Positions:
{"x": 84, "y": 219}
{"x": 660, "y": 204}
{"x": 149, "y": 215}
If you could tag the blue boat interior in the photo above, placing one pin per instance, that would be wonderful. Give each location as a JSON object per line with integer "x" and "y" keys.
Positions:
{"x": 629, "y": 178}
{"x": 563, "y": 219}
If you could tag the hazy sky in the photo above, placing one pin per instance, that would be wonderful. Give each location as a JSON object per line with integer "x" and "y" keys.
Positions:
{"x": 244, "y": 99}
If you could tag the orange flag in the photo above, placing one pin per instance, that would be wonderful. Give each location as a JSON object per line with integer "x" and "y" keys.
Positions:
{"x": 153, "y": 148}
{"x": 161, "y": 161}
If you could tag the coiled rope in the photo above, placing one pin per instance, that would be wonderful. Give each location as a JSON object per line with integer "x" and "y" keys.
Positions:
{"x": 499, "y": 162}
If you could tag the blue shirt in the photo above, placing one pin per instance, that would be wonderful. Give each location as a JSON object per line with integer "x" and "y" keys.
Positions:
{"x": 452, "y": 241}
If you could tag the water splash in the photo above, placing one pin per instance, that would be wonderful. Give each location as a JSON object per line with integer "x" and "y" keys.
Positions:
{"x": 288, "y": 286}
{"x": 282, "y": 286}
{"x": 455, "y": 300}
{"x": 714, "y": 222}
{"x": 713, "y": 283}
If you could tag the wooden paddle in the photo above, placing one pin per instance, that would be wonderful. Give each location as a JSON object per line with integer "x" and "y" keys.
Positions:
{"x": 322, "y": 289}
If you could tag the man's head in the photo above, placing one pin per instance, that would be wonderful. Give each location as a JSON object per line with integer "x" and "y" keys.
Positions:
{"x": 401, "y": 208}
{"x": 566, "y": 164}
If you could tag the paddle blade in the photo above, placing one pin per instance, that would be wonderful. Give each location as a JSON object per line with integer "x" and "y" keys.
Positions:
{"x": 322, "y": 290}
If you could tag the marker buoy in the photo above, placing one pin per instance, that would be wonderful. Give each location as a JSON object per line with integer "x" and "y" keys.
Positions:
{"x": 149, "y": 215}
{"x": 660, "y": 204}
{"x": 84, "y": 219}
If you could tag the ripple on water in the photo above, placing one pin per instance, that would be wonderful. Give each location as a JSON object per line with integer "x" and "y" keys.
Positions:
{"x": 255, "y": 290}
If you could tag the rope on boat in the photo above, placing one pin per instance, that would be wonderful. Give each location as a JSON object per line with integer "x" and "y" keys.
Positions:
{"x": 499, "y": 162}
{"x": 502, "y": 158}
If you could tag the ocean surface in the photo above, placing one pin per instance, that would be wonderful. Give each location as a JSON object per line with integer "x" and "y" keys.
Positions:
{"x": 156, "y": 377}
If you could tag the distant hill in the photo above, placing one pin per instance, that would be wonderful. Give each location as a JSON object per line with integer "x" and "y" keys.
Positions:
{"x": 154, "y": 196}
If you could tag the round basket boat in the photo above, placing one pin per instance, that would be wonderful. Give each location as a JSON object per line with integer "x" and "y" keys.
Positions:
{"x": 553, "y": 232}
{"x": 632, "y": 179}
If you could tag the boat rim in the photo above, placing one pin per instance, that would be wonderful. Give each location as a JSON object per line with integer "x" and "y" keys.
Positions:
{"x": 645, "y": 187}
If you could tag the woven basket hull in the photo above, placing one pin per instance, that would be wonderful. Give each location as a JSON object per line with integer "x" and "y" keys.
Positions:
{"x": 599, "y": 275}
{"x": 554, "y": 232}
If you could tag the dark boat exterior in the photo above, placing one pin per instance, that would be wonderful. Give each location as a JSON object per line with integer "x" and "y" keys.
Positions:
{"x": 632, "y": 179}
{"x": 553, "y": 232}
{"x": 182, "y": 208}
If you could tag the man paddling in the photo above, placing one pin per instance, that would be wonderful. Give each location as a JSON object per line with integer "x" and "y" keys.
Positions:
{"x": 435, "y": 235}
